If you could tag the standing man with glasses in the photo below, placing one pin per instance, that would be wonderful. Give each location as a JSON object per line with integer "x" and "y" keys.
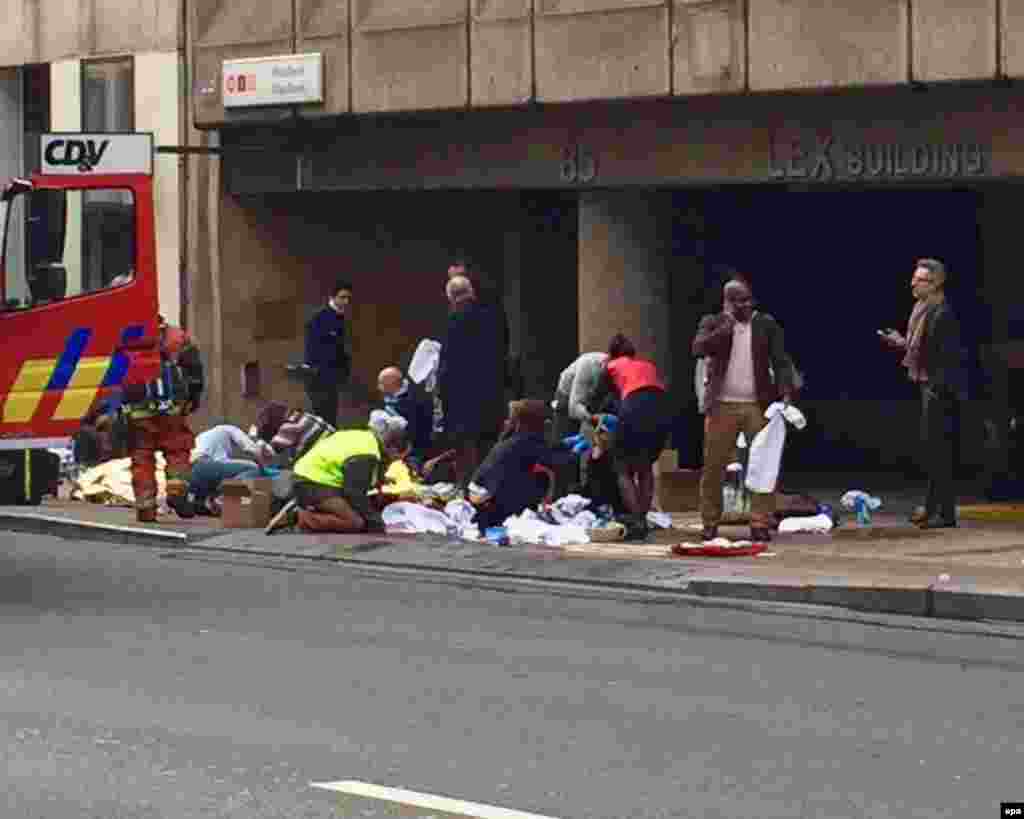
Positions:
{"x": 934, "y": 359}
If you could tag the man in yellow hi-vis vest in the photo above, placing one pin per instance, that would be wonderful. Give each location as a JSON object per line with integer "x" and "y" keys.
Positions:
{"x": 332, "y": 481}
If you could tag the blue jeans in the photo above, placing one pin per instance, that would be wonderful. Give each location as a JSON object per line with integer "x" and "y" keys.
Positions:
{"x": 207, "y": 475}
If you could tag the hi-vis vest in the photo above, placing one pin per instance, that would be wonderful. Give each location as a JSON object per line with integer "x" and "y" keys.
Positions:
{"x": 325, "y": 462}
{"x": 176, "y": 387}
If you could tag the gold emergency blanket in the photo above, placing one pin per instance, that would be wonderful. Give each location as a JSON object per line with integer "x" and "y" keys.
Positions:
{"x": 110, "y": 483}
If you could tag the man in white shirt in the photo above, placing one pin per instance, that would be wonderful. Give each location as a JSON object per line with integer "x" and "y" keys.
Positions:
{"x": 743, "y": 349}
{"x": 221, "y": 453}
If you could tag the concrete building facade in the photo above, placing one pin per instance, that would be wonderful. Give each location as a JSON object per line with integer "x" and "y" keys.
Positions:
{"x": 602, "y": 161}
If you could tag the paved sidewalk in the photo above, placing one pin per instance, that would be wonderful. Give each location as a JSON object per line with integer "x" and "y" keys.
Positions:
{"x": 974, "y": 572}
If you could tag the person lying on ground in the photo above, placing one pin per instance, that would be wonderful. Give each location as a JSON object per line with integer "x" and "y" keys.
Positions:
{"x": 222, "y": 453}
{"x": 517, "y": 474}
{"x": 333, "y": 479}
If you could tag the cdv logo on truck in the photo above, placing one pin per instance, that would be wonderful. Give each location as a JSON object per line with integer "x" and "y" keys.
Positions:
{"x": 97, "y": 153}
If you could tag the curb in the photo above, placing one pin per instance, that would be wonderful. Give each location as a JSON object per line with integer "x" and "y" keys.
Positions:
{"x": 39, "y": 524}
{"x": 927, "y": 602}
{"x": 935, "y": 602}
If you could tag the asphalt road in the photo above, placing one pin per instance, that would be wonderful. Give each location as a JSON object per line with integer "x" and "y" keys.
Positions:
{"x": 138, "y": 685}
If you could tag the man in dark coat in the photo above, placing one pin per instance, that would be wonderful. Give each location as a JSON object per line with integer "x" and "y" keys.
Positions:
{"x": 747, "y": 369}
{"x": 327, "y": 354}
{"x": 933, "y": 356}
{"x": 471, "y": 375}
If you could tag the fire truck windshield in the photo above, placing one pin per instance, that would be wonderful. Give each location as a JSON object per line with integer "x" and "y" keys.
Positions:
{"x": 60, "y": 244}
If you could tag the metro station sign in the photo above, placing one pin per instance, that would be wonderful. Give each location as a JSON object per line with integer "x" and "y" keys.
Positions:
{"x": 292, "y": 79}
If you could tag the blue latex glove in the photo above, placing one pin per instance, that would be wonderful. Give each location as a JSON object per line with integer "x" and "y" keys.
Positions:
{"x": 577, "y": 443}
{"x": 571, "y": 440}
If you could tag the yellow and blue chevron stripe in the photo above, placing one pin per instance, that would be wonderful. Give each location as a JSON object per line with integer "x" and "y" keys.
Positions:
{"x": 77, "y": 377}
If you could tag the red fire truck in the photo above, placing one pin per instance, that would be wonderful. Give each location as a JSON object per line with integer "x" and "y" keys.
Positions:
{"x": 78, "y": 288}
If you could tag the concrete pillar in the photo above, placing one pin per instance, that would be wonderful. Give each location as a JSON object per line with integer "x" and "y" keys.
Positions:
{"x": 1002, "y": 289}
{"x": 624, "y": 259}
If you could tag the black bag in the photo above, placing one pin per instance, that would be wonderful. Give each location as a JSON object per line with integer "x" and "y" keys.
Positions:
{"x": 26, "y": 475}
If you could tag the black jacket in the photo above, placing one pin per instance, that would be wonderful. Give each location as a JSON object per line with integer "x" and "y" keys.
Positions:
{"x": 417, "y": 408}
{"x": 768, "y": 348}
{"x": 471, "y": 373}
{"x": 505, "y": 473}
{"x": 327, "y": 346}
{"x": 942, "y": 353}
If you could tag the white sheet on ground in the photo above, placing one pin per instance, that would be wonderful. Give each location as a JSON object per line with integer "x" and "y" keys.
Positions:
{"x": 461, "y": 512}
{"x": 527, "y": 527}
{"x": 816, "y": 523}
{"x": 414, "y": 518}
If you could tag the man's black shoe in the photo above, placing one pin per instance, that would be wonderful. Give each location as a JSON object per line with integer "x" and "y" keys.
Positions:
{"x": 182, "y": 505}
{"x": 938, "y": 522}
{"x": 636, "y": 533}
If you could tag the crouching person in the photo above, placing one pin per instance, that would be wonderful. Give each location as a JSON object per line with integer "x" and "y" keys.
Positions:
{"x": 333, "y": 478}
{"x": 518, "y": 473}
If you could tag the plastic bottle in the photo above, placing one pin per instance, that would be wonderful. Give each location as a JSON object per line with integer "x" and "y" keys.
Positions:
{"x": 863, "y": 511}
{"x": 729, "y": 497}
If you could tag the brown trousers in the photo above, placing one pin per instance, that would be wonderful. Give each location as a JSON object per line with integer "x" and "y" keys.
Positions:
{"x": 171, "y": 435}
{"x": 332, "y": 514}
{"x": 721, "y": 428}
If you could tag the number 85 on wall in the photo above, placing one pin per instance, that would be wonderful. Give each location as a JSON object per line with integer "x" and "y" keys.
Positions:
{"x": 578, "y": 165}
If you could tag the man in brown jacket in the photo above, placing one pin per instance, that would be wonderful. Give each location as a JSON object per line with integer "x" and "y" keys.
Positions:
{"x": 744, "y": 348}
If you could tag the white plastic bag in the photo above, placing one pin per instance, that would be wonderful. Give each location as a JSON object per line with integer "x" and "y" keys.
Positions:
{"x": 766, "y": 452}
{"x": 700, "y": 383}
{"x": 424, "y": 364}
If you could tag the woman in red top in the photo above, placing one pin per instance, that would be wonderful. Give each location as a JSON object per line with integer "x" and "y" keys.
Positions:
{"x": 643, "y": 428}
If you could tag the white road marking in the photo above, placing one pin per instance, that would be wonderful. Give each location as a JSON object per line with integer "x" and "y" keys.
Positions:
{"x": 425, "y": 800}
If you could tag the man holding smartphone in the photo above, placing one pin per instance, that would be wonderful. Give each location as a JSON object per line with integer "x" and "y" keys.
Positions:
{"x": 934, "y": 360}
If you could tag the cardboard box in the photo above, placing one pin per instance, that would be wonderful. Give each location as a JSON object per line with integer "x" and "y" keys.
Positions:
{"x": 678, "y": 490}
{"x": 246, "y": 503}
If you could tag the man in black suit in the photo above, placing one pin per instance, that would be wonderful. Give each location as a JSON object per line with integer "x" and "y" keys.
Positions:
{"x": 471, "y": 375}
{"x": 934, "y": 359}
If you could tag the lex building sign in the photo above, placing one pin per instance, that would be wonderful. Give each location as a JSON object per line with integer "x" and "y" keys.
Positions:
{"x": 293, "y": 79}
